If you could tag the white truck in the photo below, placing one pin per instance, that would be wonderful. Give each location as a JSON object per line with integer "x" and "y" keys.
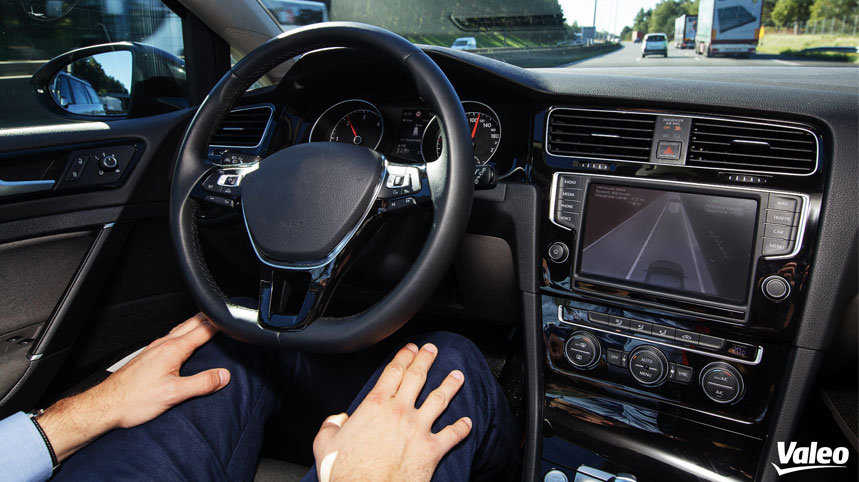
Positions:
{"x": 684, "y": 31}
{"x": 728, "y": 27}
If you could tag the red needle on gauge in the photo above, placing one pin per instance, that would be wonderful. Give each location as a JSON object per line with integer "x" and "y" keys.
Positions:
{"x": 356, "y": 134}
{"x": 474, "y": 130}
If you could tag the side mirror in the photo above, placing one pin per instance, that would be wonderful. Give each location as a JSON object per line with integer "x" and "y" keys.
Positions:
{"x": 122, "y": 79}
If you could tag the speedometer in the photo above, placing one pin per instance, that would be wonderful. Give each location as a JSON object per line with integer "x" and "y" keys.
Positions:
{"x": 485, "y": 130}
{"x": 352, "y": 121}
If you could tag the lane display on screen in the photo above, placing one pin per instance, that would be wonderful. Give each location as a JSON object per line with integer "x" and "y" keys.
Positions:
{"x": 683, "y": 243}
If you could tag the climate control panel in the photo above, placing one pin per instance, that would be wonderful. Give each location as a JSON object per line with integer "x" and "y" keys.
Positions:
{"x": 656, "y": 360}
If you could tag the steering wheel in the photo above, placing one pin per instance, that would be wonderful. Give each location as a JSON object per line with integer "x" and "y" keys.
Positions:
{"x": 310, "y": 208}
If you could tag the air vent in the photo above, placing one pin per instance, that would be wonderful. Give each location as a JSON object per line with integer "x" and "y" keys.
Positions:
{"x": 243, "y": 127}
{"x": 592, "y": 134}
{"x": 747, "y": 146}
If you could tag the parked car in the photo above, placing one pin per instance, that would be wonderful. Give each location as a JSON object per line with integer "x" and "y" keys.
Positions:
{"x": 464, "y": 43}
{"x": 654, "y": 44}
{"x": 76, "y": 95}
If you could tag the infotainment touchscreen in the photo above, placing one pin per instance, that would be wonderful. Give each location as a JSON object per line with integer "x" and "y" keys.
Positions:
{"x": 695, "y": 245}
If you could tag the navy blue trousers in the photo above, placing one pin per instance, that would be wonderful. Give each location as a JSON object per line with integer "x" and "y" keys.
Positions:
{"x": 219, "y": 437}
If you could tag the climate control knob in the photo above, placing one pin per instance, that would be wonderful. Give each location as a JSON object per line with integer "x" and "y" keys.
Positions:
{"x": 648, "y": 365}
{"x": 582, "y": 350}
{"x": 722, "y": 383}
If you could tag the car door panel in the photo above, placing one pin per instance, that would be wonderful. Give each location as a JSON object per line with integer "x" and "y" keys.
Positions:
{"x": 82, "y": 259}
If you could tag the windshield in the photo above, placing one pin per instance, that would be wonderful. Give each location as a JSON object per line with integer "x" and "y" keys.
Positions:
{"x": 566, "y": 33}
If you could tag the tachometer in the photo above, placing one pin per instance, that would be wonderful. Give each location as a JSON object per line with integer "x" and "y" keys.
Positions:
{"x": 352, "y": 121}
{"x": 485, "y": 129}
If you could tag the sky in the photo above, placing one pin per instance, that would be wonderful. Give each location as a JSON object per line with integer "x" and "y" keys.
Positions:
{"x": 612, "y": 15}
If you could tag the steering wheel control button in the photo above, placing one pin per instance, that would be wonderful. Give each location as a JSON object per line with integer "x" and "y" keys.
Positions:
{"x": 220, "y": 201}
{"x": 660, "y": 331}
{"x": 401, "y": 181}
{"x": 396, "y": 204}
{"x": 582, "y": 350}
{"x": 669, "y": 150}
{"x": 616, "y": 357}
{"x": 648, "y": 365}
{"x": 722, "y": 383}
{"x": 775, "y": 288}
{"x": 684, "y": 336}
{"x": 231, "y": 158}
{"x": 642, "y": 327}
{"x": 558, "y": 252}
{"x": 77, "y": 168}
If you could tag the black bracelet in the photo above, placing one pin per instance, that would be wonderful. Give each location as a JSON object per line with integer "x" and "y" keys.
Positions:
{"x": 33, "y": 415}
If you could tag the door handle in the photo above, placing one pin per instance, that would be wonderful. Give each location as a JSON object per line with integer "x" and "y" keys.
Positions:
{"x": 11, "y": 188}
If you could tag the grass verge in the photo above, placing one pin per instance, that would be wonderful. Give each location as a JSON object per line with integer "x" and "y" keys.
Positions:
{"x": 793, "y": 45}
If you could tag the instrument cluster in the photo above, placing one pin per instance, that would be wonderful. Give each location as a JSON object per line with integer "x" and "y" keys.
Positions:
{"x": 409, "y": 133}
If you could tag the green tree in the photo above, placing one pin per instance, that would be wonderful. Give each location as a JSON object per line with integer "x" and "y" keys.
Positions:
{"x": 766, "y": 12}
{"x": 821, "y": 9}
{"x": 789, "y": 11}
{"x": 642, "y": 18}
{"x": 626, "y": 33}
{"x": 664, "y": 13}
{"x": 91, "y": 71}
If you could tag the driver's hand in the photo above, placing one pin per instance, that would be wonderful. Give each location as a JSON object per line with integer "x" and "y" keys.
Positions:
{"x": 387, "y": 438}
{"x": 143, "y": 389}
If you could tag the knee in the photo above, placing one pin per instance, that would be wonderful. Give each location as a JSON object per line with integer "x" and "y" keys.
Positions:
{"x": 455, "y": 351}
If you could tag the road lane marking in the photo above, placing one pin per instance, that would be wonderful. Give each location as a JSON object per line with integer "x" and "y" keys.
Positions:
{"x": 616, "y": 227}
{"x": 638, "y": 59}
{"x": 638, "y": 258}
{"x": 697, "y": 58}
{"x": 689, "y": 238}
{"x": 785, "y": 62}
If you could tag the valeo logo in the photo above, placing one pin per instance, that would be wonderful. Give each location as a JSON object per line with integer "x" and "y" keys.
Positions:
{"x": 808, "y": 458}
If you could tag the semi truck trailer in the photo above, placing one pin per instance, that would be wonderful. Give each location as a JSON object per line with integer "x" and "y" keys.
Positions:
{"x": 684, "y": 31}
{"x": 728, "y": 27}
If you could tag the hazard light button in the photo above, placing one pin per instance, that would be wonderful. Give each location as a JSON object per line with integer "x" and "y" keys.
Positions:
{"x": 668, "y": 150}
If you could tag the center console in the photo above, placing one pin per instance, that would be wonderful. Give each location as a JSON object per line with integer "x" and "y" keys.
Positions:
{"x": 670, "y": 289}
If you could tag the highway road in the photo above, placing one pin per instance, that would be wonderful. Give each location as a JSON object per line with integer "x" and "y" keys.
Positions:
{"x": 629, "y": 55}
{"x": 681, "y": 241}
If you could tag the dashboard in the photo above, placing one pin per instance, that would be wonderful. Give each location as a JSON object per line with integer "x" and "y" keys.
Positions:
{"x": 683, "y": 232}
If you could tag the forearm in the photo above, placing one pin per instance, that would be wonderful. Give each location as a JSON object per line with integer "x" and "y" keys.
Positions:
{"x": 74, "y": 422}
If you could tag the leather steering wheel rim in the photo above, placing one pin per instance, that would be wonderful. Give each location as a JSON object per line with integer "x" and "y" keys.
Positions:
{"x": 451, "y": 186}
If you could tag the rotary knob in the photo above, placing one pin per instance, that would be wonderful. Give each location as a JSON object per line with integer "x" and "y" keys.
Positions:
{"x": 582, "y": 350}
{"x": 722, "y": 383}
{"x": 108, "y": 163}
{"x": 648, "y": 365}
{"x": 775, "y": 288}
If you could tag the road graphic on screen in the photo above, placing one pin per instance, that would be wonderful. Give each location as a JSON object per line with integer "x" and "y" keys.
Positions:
{"x": 679, "y": 241}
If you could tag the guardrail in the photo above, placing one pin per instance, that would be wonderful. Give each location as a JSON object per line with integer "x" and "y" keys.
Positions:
{"x": 846, "y": 50}
{"x": 545, "y": 56}
{"x": 12, "y": 68}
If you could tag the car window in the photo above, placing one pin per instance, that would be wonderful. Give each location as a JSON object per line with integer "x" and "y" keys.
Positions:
{"x": 35, "y": 31}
